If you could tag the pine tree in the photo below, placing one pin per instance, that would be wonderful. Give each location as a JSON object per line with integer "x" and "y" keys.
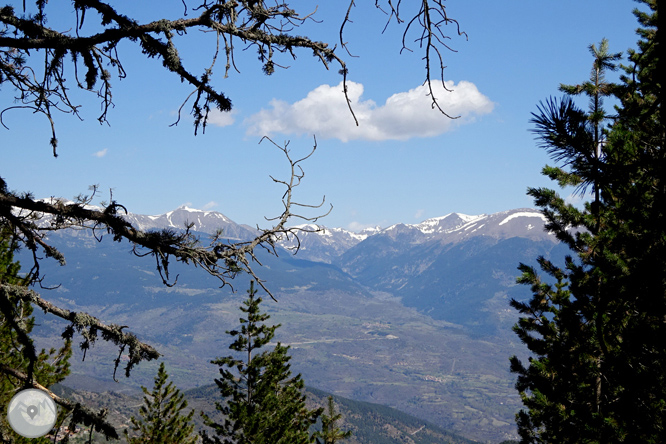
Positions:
{"x": 598, "y": 372}
{"x": 330, "y": 434}
{"x": 563, "y": 387}
{"x": 16, "y": 318}
{"x": 637, "y": 238}
{"x": 263, "y": 404}
{"x": 161, "y": 420}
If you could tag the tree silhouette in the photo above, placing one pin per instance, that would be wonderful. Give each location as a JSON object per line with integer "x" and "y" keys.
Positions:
{"x": 161, "y": 421}
{"x": 597, "y": 334}
{"x": 264, "y": 403}
{"x": 330, "y": 433}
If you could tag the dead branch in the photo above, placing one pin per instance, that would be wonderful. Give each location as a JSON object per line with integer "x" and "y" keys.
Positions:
{"x": 34, "y": 219}
{"x": 431, "y": 18}
{"x": 268, "y": 28}
{"x": 255, "y": 23}
{"x": 88, "y": 326}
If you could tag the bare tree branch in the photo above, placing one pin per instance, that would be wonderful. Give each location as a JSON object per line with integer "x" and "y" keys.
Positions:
{"x": 33, "y": 219}
{"x": 431, "y": 17}
{"x": 269, "y": 28}
{"x": 85, "y": 324}
{"x": 254, "y": 23}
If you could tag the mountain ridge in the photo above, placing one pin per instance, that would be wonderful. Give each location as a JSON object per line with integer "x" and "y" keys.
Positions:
{"x": 320, "y": 243}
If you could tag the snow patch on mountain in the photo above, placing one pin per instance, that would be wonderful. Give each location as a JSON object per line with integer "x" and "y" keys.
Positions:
{"x": 523, "y": 214}
{"x": 448, "y": 223}
{"x": 479, "y": 227}
{"x": 468, "y": 218}
{"x": 333, "y": 234}
{"x": 429, "y": 225}
{"x": 313, "y": 228}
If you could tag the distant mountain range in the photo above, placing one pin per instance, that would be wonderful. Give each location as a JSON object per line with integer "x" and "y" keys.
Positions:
{"x": 323, "y": 244}
{"x": 450, "y": 267}
{"x": 415, "y": 317}
{"x": 452, "y": 228}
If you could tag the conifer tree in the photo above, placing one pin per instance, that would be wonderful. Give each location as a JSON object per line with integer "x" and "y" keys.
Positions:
{"x": 597, "y": 336}
{"x": 264, "y": 403}
{"x": 16, "y": 319}
{"x": 161, "y": 420}
{"x": 330, "y": 433}
{"x": 565, "y": 384}
{"x": 635, "y": 243}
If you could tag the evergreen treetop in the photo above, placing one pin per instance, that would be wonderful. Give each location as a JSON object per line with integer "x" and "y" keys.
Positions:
{"x": 161, "y": 421}
{"x": 263, "y": 402}
{"x": 330, "y": 433}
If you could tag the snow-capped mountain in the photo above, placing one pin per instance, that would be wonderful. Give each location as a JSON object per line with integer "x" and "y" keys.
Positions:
{"x": 323, "y": 244}
{"x": 203, "y": 221}
{"x": 455, "y": 227}
{"x": 208, "y": 222}
{"x": 452, "y": 267}
{"x": 316, "y": 242}
{"x": 445, "y": 266}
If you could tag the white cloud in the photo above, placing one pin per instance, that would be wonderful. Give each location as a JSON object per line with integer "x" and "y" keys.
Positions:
{"x": 419, "y": 213}
{"x": 219, "y": 118}
{"x": 209, "y": 205}
{"x": 101, "y": 153}
{"x": 404, "y": 115}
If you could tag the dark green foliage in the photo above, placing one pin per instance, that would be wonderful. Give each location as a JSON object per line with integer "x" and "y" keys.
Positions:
{"x": 330, "y": 433}
{"x": 598, "y": 335}
{"x": 263, "y": 402}
{"x": 161, "y": 420}
{"x": 558, "y": 386}
{"x": 16, "y": 320}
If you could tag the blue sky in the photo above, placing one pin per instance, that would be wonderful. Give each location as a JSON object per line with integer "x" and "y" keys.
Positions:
{"x": 405, "y": 163}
